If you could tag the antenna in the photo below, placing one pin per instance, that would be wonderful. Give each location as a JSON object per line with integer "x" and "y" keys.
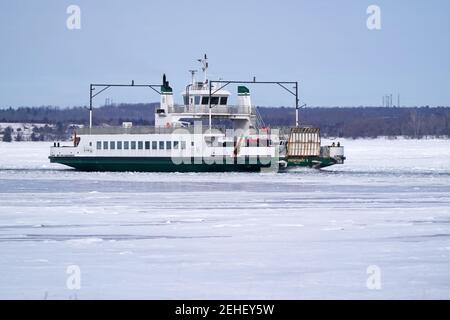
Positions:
{"x": 204, "y": 63}
{"x": 193, "y": 72}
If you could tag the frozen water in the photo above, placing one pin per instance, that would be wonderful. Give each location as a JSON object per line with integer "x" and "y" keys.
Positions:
{"x": 300, "y": 235}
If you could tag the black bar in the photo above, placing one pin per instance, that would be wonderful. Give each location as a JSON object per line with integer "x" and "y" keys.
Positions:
{"x": 90, "y": 97}
{"x": 100, "y": 91}
{"x": 266, "y": 82}
{"x": 280, "y": 83}
{"x": 231, "y": 309}
{"x": 108, "y": 85}
{"x": 124, "y": 85}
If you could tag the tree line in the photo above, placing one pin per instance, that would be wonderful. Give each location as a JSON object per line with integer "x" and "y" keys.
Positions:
{"x": 354, "y": 122}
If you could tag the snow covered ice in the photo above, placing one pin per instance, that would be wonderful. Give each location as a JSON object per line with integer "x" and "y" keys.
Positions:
{"x": 300, "y": 235}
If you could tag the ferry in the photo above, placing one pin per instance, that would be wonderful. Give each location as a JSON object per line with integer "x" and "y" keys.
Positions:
{"x": 184, "y": 138}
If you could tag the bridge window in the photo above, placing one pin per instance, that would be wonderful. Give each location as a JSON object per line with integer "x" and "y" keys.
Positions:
{"x": 99, "y": 145}
{"x": 183, "y": 145}
{"x": 119, "y": 145}
{"x": 161, "y": 145}
{"x": 105, "y": 145}
{"x": 154, "y": 145}
{"x": 140, "y": 145}
{"x": 112, "y": 145}
{"x": 175, "y": 144}
{"x": 197, "y": 100}
{"x": 205, "y": 100}
{"x": 214, "y": 100}
{"x": 133, "y": 145}
{"x": 168, "y": 145}
{"x": 126, "y": 145}
{"x": 147, "y": 145}
{"x": 223, "y": 101}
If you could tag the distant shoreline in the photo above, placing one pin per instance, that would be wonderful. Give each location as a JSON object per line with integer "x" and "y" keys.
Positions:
{"x": 52, "y": 123}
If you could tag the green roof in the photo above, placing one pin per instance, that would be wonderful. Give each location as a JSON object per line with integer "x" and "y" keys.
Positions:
{"x": 243, "y": 90}
{"x": 166, "y": 89}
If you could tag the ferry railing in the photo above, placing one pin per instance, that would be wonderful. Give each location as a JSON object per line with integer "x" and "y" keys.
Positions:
{"x": 100, "y": 130}
{"x": 144, "y": 130}
{"x": 215, "y": 110}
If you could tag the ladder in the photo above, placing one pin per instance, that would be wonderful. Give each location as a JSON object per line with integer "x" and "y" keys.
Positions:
{"x": 259, "y": 120}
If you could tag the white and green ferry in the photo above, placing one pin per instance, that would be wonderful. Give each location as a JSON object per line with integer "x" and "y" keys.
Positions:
{"x": 184, "y": 138}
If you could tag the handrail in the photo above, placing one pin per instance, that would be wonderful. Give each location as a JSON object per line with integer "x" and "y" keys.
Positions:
{"x": 217, "y": 109}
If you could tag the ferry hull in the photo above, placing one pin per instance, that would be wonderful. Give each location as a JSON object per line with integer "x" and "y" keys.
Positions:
{"x": 159, "y": 164}
{"x": 312, "y": 162}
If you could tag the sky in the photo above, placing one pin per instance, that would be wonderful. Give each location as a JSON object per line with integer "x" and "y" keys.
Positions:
{"x": 325, "y": 45}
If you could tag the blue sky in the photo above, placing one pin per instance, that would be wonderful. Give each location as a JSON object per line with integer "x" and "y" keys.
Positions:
{"x": 323, "y": 44}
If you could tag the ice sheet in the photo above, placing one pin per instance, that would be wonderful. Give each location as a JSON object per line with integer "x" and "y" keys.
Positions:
{"x": 308, "y": 234}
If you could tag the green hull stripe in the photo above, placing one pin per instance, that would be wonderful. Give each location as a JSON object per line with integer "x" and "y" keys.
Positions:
{"x": 165, "y": 164}
{"x": 158, "y": 164}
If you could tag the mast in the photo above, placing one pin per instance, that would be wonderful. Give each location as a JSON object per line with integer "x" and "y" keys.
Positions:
{"x": 296, "y": 105}
{"x": 210, "y": 115}
{"x": 90, "y": 108}
{"x": 204, "y": 63}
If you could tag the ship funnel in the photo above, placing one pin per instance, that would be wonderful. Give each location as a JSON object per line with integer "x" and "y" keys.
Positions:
{"x": 165, "y": 88}
{"x": 166, "y": 96}
{"x": 244, "y": 97}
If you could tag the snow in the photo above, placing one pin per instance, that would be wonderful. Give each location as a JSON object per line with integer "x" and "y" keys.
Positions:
{"x": 302, "y": 235}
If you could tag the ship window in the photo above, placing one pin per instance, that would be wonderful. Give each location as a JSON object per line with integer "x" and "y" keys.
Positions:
{"x": 205, "y": 100}
{"x": 223, "y": 100}
{"x": 192, "y": 143}
{"x": 214, "y": 100}
{"x": 147, "y": 145}
{"x": 133, "y": 145}
{"x": 99, "y": 145}
{"x": 197, "y": 99}
{"x": 90, "y": 143}
{"x": 175, "y": 144}
{"x": 168, "y": 145}
{"x": 161, "y": 145}
{"x": 126, "y": 145}
{"x": 140, "y": 145}
{"x": 119, "y": 145}
{"x": 183, "y": 145}
{"x": 105, "y": 145}
{"x": 112, "y": 145}
{"x": 186, "y": 102}
{"x": 154, "y": 145}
